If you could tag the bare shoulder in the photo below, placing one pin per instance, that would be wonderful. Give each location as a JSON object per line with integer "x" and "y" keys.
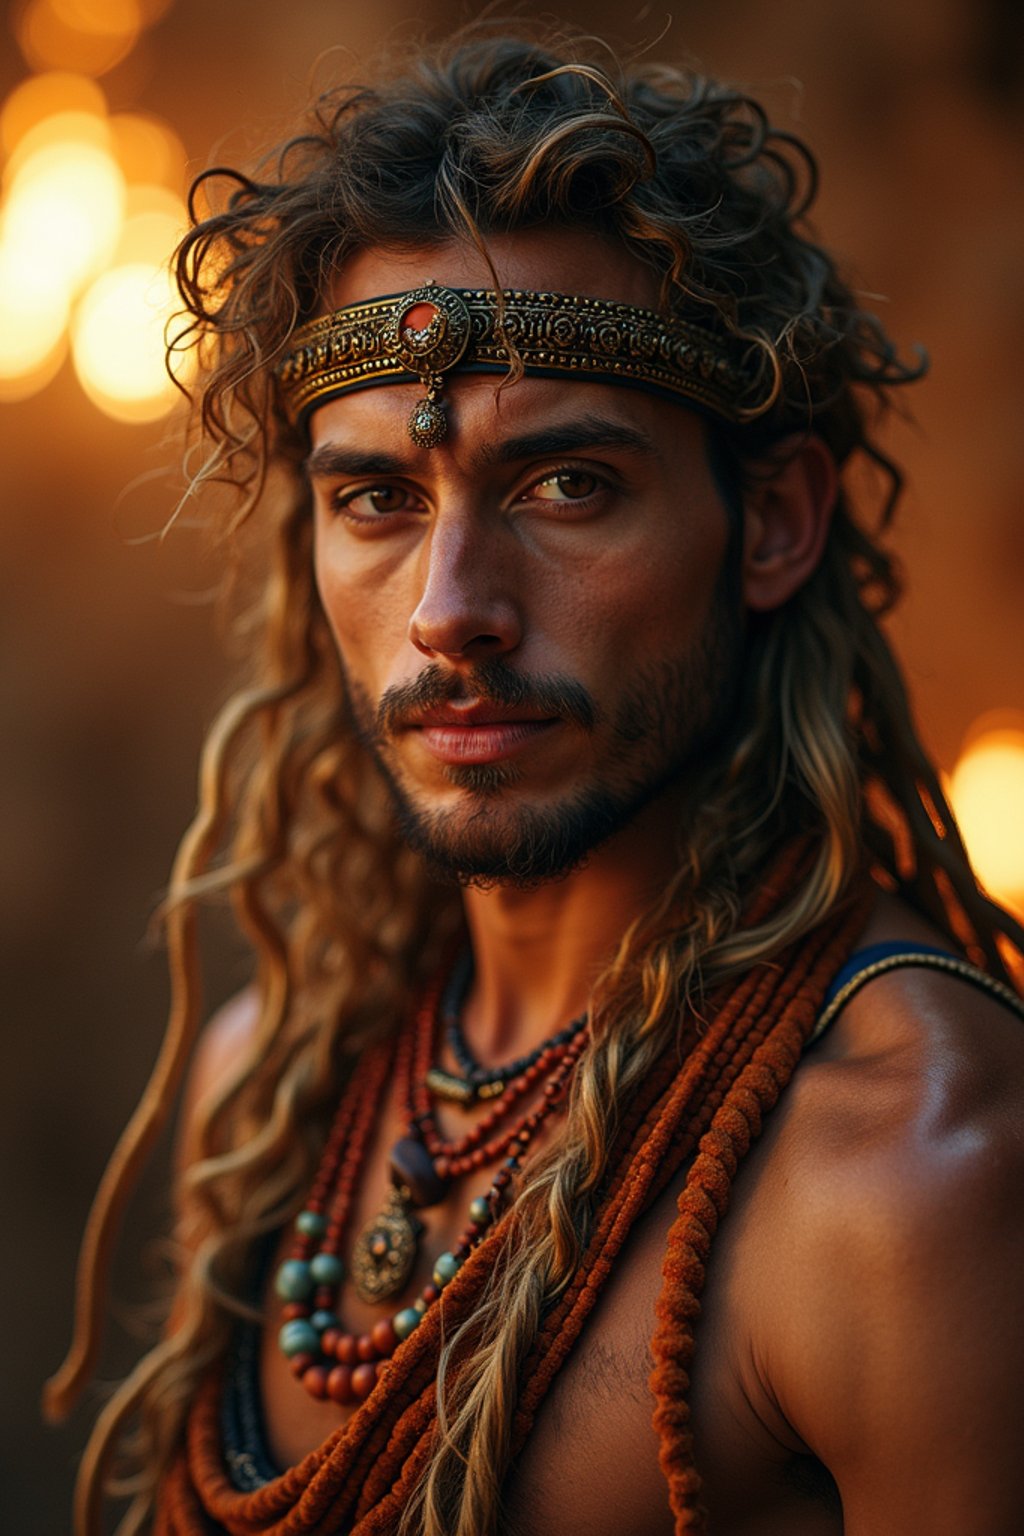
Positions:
{"x": 920, "y": 1074}
{"x": 887, "y": 1207}
{"x": 905, "y": 1128}
{"x": 225, "y": 1040}
{"x": 920, "y": 1063}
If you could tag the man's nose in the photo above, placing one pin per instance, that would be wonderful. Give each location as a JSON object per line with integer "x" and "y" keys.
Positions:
{"x": 467, "y": 606}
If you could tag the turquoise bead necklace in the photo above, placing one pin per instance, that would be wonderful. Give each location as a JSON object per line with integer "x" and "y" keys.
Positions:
{"x": 330, "y": 1361}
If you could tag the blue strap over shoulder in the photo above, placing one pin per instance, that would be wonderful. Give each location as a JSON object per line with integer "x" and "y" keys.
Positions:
{"x": 874, "y": 960}
{"x": 861, "y": 959}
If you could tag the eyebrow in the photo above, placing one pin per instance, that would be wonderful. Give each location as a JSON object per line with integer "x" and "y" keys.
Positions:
{"x": 569, "y": 437}
{"x": 331, "y": 460}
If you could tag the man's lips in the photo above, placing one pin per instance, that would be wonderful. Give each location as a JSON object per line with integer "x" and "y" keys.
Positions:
{"x": 477, "y": 713}
{"x": 479, "y": 732}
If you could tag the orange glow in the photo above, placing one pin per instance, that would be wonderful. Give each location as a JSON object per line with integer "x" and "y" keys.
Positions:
{"x": 152, "y": 10}
{"x": 64, "y": 208}
{"x": 33, "y": 315}
{"x": 148, "y": 149}
{"x": 67, "y": 129}
{"x": 117, "y": 341}
{"x": 102, "y": 18}
{"x": 987, "y": 794}
{"x": 46, "y": 96}
{"x": 90, "y": 36}
{"x": 154, "y": 221}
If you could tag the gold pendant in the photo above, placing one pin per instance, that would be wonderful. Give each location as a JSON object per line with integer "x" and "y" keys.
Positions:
{"x": 385, "y": 1249}
{"x": 428, "y": 424}
{"x": 455, "y": 1090}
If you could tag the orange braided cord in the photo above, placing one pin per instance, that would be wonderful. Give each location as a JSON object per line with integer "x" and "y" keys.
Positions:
{"x": 662, "y": 1147}
{"x": 701, "y": 1206}
{"x": 359, "y": 1480}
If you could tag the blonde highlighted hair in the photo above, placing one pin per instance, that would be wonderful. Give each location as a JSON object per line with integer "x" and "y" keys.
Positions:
{"x": 494, "y": 133}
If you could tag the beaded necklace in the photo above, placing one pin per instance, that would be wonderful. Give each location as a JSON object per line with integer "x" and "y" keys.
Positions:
{"x": 330, "y": 1361}
{"x": 478, "y": 1082}
{"x": 700, "y": 1109}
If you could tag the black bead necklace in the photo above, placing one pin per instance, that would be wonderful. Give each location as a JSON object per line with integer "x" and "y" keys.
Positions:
{"x": 478, "y": 1082}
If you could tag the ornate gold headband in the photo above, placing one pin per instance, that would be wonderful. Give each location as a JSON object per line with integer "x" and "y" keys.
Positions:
{"x": 423, "y": 333}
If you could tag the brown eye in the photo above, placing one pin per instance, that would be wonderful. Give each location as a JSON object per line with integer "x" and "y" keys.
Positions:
{"x": 566, "y": 485}
{"x": 376, "y": 500}
{"x": 386, "y": 498}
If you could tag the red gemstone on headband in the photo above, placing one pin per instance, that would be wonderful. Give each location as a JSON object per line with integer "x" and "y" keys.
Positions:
{"x": 418, "y": 317}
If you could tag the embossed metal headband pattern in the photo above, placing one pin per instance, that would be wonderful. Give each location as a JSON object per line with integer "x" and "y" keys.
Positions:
{"x": 422, "y": 334}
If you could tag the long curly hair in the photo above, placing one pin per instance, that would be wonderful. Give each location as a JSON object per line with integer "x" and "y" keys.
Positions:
{"x": 492, "y": 133}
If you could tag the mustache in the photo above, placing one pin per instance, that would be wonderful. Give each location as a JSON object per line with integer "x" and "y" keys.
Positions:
{"x": 493, "y": 682}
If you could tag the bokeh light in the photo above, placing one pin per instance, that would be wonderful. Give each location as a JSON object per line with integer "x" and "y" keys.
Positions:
{"x": 89, "y": 36}
{"x": 43, "y": 97}
{"x": 68, "y": 129}
{"x": 152, "y": 10}
{"x": 147, "y": 149}
{"x": 117, "y": 342}
{"x": 987, "y": 794}
{"x": 33, "y": 317}
{"x": 64, "y": 205}
{"x": 155, "y": 219}
{"x": 90, "y": 202}
{"x": 62, "y": 214}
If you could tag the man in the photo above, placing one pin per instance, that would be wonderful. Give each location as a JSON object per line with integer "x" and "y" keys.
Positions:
{"x": 573, "y": 768}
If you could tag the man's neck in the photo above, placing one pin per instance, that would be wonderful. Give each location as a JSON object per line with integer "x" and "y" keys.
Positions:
{"x": 538, "y": 952}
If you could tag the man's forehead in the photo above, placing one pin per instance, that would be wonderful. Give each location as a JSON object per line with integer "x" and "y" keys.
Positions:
{"x": 497, "y": 423}
{"x": 552, "y": 259}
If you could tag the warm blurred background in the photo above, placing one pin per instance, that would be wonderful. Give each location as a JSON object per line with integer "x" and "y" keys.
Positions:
{"x": 107, "y": 108}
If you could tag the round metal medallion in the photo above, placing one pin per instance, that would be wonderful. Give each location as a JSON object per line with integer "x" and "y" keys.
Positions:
{"x": 436, "y": 346}
{"x": 385, "y": 1251}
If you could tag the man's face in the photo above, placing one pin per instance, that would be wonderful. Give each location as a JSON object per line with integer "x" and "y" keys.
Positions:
{"x": 533, "y": 618}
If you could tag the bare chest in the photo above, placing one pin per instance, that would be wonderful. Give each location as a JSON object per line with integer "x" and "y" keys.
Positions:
{"x": 591, "y": 1463}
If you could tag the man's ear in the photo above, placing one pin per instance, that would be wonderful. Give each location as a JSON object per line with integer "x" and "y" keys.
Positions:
{"x": 786, "y": 514}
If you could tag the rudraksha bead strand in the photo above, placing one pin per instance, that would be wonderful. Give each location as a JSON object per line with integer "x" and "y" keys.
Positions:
{"x": 308, "y": 1278}
{"x": 701, "y": 1206}
{"x": 420, "y": 1106}
{"x": 360, "y": 1479}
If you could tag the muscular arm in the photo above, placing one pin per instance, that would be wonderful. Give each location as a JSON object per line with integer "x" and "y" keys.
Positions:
{"x": 899, "y": 1357}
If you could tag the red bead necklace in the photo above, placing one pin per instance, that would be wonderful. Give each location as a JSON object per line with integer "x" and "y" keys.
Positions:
{"x": 471, "y": 1151}
{"x": 330, "y": 1361}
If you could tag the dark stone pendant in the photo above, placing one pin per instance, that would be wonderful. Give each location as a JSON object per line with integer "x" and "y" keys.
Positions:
{"x": 385, "y": 1250}
{"x": 413, "y": 1167}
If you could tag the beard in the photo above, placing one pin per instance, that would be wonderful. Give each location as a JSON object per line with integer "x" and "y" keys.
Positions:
{"x": 664, "y": 726}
